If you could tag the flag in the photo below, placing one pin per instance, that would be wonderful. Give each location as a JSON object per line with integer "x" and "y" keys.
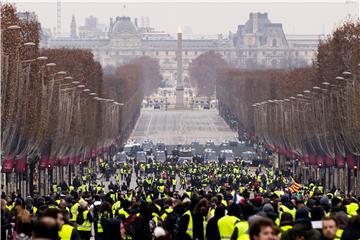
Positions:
{"x": 294, "y": 187}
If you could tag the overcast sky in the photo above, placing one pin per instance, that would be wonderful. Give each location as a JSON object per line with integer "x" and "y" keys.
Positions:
{"x": 202, "y": 18}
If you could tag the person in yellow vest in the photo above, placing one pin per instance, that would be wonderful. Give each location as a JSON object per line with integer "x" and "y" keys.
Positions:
{"x": 84, "y": 221}
{"x": 227, "y": 223}
{"x": 173, "y": 182}
{"x": 161, "y": 190}
{"x": 241, "y": 231}
{"x": 84, "y": 179}
{"x": 195, "y": 220}
{"x": 287, "y": 206}
{"x": 116, "y": 206}
{"x": 74, "y": 212}
{"x": 286, "y": 222}
{"x": 54, "y": 187}
{"x": 66, "y": 230}
{"x": 168, "y": 208}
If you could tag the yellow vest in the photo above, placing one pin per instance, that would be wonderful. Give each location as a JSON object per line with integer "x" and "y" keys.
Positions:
{"x": 339, "y": 233}
{"x": 65, "y": 232}
{"x": 115, "y": 206}
{"x": 74, "y": 212}
{"x": 86, "y": 225}
{"x": 99, "y": 226}
{"x": 167, "y": 211}
{"x": 211, "y": 213}
{"x": 351, "y": 209}
{"x": 285, "y": 228}
{"x": 189, "y": 230}
{"x": 123, "y": 212}
{"x": 288, "y": 210}
{"x": 226, "y": 226}
{"x": 243, "y": 227}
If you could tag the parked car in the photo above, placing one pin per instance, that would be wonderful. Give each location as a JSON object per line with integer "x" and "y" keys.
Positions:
{"x": 121, "y": 157}
{"x": 160, "y": 156}
{"x": 210, "y": 144}
{"x": 140, "y": 157}
{"x": 227, "y": 156}
{"x": 156, "y": 106}
{"x": 210, "y": 156}
{"x": 147, "y": 146}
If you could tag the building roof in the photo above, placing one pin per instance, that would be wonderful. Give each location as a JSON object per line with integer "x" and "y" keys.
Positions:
{"x": 124, "y": 25}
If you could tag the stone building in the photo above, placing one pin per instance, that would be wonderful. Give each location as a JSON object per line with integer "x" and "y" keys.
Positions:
{"x": 256, "y": 44}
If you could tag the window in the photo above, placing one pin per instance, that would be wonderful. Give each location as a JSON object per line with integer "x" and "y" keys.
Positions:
{"x": 157, "y": 53}
{"x": 274, "y": 43}
{"x": 195, "y": 52}
{"x": 167, "y": 53}
{"x": 186, "y": 52}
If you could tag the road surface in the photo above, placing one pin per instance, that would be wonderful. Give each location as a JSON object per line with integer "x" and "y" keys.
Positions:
{"x": 181, "y": 127}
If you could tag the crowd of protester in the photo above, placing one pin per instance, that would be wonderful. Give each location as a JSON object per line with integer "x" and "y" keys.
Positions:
{"x": 183, "y": 201}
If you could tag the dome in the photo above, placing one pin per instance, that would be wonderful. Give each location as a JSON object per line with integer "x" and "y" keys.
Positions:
{"x": 123, "y": 25}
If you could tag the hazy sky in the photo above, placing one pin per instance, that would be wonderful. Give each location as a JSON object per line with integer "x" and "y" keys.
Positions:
{"x": 202, "y": 18}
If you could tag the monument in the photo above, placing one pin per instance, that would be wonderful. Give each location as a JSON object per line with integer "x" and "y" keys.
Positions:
{"x": 179, "y": 80}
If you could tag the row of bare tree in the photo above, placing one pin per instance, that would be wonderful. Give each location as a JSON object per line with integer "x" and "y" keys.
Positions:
{"x": 55, "y": 105}
{"x": 311, "y": 113}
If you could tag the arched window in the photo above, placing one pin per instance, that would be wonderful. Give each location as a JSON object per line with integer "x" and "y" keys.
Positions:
{"x": 274, "y": 43}
{"x": 274, "y": 63}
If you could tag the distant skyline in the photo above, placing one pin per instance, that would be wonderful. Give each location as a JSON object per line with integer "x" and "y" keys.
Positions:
{"x": 202, "y": 18}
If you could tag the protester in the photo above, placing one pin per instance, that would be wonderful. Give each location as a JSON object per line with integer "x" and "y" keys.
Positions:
{"x": 212, "y": 202}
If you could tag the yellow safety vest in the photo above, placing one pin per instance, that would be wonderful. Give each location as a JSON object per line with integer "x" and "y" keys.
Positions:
{"x": 339, "y": 233}
{"x": 123, "y": 212}
{"x": 99, "y": 226}
{"x": 351, "y": 209}
{"x": 66, "y": 232}
{"x": 86, "y": 226}
{"x": 211, "y": 213}
{"x": 167, "y": 211}
{"x": 35, "y": 210}
{"x": 161, "y": 189}
{"x": 242, "y": 227}
{"x": 74, "y": 211}
{"x": 115, "y": 206}
{"x": 288, "y": 210}
{"x": 285, "y": 228}
{"x": 189, "y": 230}
{"x": 226, "y": 226}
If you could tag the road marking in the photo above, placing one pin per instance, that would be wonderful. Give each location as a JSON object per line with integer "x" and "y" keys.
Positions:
{"x": 147, "y": 129}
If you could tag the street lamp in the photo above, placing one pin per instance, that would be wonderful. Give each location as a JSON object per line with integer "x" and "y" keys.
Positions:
{"x": 42, "y": 58}
{"x": 61, "y": 73}
{"x": 50, "y": 64}
{"x": 14, "y": 27}
{"x": 29, "y": 44}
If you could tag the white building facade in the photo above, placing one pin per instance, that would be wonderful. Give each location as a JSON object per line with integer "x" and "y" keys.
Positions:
{"x": 256, "y": 44}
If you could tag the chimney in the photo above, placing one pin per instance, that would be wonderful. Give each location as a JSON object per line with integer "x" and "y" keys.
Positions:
{"x": 111, "y": 24}
{"x": 255, "y": 22}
